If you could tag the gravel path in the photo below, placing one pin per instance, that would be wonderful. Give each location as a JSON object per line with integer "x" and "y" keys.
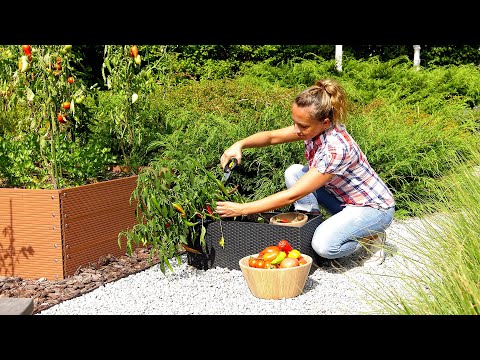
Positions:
{"x": 336, "y": 288}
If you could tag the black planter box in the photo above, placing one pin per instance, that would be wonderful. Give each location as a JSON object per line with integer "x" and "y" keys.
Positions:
{"x": 244, "y": 238}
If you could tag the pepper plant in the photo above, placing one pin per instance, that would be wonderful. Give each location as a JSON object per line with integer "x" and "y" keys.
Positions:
{"x": 43, "y": 84}
{"x": 129, "y": 81}
{"x": 174, "y": 199}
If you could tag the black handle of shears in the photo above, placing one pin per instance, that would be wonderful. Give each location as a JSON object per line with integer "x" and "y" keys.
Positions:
{"x": 230, "y": 165}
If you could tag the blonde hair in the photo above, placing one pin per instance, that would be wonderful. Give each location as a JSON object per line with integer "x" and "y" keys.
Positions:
{"x": 327, "y": 99}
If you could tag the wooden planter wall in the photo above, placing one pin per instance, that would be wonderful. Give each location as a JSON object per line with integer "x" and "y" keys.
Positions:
{"x": 51, "y": 233}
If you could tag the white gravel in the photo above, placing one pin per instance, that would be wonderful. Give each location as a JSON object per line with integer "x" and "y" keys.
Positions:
{"x": 339, "y": 288}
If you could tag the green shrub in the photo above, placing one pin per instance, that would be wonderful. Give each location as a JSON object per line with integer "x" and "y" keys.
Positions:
{"x": 407, "y": 141}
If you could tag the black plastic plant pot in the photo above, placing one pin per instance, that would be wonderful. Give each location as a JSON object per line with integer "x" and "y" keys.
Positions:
{"x": 249, "y": 236}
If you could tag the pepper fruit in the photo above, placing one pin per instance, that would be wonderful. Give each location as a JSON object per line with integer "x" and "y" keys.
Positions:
{"x": 133, "y": 51}
{"x": 188, "y": 223}
{"x": 209, "y": 209}
{"x": 281, "y": 255}
{"x": 23, "y": 64}
{"x": 66, "y": 48}
{"x": 28, "y": 51}
{"x": 302, "y": 260}
{"x": 61, "y": 118}
{"x": 179, "y": 208}
{"x": 138, "y": 59}
{"x": 294, "y": 254}
{"x": 284, "y": 245}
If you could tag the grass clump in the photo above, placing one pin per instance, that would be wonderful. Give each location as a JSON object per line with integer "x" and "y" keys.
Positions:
{"x": 441, "y": 253}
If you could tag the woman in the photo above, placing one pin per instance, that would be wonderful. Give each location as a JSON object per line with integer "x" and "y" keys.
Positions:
{"x": 338, "y": 177}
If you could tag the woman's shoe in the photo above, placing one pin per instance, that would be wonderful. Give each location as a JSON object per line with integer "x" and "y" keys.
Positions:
{"x": 376, "y": 250}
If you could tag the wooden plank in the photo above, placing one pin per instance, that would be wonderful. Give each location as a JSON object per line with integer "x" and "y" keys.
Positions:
{"x": 31, "y": 236}
{"x": 41, "y": 228}
{"x": 95, "y": 198}
{"x": 93, "y": 216}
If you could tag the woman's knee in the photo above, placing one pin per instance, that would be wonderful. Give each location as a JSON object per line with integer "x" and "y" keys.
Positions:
{"x": 319, "y": 249}
{"x": 332, "y": 239}
{"x": 324, "y": 248}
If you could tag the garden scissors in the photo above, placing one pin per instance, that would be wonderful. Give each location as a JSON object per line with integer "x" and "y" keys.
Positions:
{"x": 228, "y": 168}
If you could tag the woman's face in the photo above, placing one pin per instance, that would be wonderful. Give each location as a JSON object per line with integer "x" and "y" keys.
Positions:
{"x": 305, "y": 126}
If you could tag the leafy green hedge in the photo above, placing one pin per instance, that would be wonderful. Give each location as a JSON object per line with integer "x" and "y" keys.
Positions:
{"x": 406, "y": 122}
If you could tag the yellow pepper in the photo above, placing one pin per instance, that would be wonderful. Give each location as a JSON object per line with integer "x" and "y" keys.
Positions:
{"x": 179, "y": 208}
{"x": 294, "y": 254}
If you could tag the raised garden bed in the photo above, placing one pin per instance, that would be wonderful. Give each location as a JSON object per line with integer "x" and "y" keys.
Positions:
{"x": 51, "y": 233}
{"x": 248, "y": 236}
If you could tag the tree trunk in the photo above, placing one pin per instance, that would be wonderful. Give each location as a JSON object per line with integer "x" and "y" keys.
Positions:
{"x": 416, "y": 57}
{"x": 338, "y": 57}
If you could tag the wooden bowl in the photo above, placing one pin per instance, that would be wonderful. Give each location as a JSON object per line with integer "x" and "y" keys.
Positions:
{"x": 275, "y": 283}
{"x": 289, "y": 219}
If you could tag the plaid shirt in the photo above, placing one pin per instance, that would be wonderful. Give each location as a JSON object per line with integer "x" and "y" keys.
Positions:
{"x": 354, "y": 182}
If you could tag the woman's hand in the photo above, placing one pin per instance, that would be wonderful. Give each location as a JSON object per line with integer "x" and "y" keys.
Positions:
{"x": 234, "y": 151}
{"x": 229, "y": 209}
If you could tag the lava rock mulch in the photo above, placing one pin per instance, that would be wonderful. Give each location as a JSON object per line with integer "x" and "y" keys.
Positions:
{"x": 46, "y": 293}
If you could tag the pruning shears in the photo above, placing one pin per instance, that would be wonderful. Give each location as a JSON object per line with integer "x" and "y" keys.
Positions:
{"x": 228, "y": 168}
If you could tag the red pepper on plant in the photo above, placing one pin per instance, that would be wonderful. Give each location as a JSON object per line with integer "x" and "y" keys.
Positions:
{"x": 61, "y": 118}
{"x": 133, "y": 51}
{"x": 28, "y": 51}
{"x": 209, "y": 209}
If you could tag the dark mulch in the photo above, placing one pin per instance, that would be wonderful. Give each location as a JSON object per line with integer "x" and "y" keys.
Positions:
{"x": 46, "y": 293}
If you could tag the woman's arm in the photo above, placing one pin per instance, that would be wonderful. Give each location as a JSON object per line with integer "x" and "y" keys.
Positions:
{"x": 307, "y": 184}
{"x": 260, "y": 139}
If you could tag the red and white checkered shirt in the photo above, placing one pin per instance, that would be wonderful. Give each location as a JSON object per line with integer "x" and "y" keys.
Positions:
{"x": 354, "y": 182}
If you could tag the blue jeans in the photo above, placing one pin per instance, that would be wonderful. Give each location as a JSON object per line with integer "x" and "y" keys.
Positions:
{"x": 338, "y": 235}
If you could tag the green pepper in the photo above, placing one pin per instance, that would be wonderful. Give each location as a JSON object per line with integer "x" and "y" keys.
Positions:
{"x": 219, "y": 183}
{"x": 155, "y": 202}
{"x": 188, "y": 223}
